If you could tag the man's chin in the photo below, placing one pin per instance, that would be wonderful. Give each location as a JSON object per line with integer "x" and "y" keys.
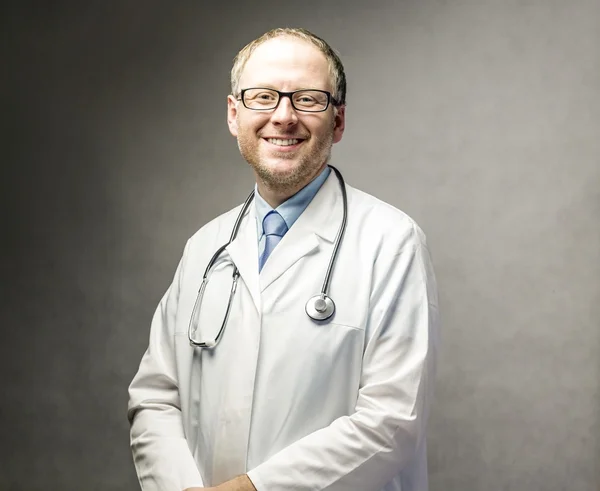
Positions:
{"x": 281, "y": 174}
{"x": 280, "y": 167}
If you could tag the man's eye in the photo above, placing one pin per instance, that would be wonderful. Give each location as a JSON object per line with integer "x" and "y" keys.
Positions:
{"x": 265, "y": 97}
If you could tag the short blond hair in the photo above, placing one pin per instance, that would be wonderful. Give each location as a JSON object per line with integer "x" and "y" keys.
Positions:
{"x": 336, "y": 68}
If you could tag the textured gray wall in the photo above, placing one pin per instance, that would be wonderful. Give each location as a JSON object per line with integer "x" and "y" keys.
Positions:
{"x": 479, "y": 119}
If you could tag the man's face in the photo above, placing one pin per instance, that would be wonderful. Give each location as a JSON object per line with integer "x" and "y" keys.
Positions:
{"x": 285, "y": 64}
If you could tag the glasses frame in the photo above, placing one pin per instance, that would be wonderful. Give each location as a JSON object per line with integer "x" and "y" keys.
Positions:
{"x": 330, "y": 99}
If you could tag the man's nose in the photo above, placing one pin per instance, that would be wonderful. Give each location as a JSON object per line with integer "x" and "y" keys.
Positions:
{"x": 284, "y": 114}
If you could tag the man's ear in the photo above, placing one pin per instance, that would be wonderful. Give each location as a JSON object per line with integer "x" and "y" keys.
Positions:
{"x": 232, "y": 115}
{"x": 339, "y": 123}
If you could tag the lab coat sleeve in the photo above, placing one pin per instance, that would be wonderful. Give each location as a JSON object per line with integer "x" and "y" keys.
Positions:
{"x": 161, "y": 455}
{"x": 368, "y": 448}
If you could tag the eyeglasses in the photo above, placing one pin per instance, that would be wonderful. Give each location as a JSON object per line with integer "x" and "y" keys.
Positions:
{"x": 310, "y": 101}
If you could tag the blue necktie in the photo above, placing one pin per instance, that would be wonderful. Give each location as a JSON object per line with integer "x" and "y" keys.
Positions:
{"x": 274, "y": 228}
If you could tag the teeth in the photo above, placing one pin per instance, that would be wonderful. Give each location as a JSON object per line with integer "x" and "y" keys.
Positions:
{"x": 282, "y": 143}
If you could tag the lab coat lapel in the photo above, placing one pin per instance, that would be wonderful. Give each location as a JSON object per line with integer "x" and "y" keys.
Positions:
{"x": 244, "y": 253}
{"x": 232, "y": 428}
{"x": 320, "y": 219}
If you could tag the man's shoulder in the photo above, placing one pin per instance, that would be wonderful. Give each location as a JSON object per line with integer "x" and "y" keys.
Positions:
{"x": 219, "y": 226}
{"x": 381, "y": 217}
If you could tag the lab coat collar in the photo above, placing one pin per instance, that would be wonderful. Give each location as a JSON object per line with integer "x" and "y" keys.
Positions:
{"x": 244, "y": 253}
{"x": 321, "y": 219}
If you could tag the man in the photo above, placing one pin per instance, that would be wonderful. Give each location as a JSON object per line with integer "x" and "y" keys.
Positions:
{"x": 277, "y": 400}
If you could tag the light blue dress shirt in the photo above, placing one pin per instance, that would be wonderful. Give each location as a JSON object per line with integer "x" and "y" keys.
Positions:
{"x": 290, "y": 209}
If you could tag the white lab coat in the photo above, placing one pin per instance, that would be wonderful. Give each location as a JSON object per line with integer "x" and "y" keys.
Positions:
{"x": 296, "y": 404}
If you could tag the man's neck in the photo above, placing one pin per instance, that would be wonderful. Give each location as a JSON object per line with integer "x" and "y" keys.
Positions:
{"x": 276, "y": 197}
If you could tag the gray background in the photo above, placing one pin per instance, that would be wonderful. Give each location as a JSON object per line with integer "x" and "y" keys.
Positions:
{"x": 479, "y": 119}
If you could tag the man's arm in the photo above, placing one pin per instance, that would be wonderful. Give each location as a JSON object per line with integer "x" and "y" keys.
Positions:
{"x": 365, "y": 450}
{"x": 161, "y": 455}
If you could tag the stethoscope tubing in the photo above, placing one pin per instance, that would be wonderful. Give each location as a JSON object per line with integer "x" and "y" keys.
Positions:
{"x": 340, "y": 233}
{"x": 314, "y": 313}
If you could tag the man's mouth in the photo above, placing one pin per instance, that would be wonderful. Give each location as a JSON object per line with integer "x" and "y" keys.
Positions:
{"x": 284, "y": 142}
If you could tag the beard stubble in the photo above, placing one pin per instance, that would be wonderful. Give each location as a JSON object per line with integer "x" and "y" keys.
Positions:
{"x": 299, "y": 175}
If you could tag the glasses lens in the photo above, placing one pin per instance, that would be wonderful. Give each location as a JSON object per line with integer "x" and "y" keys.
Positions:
{"x": 261, "y": 98}
{"x": 310, "y": 100}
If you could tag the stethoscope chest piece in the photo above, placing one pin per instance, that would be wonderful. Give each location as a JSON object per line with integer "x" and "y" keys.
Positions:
{"x": 320, "y": 307}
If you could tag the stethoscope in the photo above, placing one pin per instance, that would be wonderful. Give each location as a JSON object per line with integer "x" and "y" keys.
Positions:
{"x": 320, "y": 307}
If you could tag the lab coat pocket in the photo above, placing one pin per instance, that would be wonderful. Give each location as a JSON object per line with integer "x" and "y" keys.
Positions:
{"x": 309, "y": 375}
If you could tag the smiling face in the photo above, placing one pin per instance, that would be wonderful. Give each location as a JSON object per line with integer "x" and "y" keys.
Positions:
{"x": 285, "y": 147}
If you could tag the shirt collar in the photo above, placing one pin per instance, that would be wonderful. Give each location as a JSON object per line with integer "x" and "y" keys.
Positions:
{"x": 293, "y": 207}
